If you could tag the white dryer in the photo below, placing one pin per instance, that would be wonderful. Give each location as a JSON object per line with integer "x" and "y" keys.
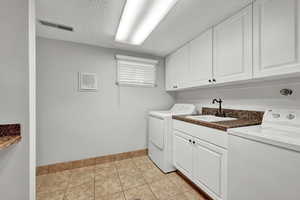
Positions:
{"x": 160, "y": 135}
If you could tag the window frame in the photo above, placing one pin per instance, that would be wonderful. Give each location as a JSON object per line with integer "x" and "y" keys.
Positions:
{"x": 136, "y": 61}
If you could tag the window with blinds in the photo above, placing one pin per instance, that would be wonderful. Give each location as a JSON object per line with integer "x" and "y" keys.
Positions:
{"x": 136, "y": 71}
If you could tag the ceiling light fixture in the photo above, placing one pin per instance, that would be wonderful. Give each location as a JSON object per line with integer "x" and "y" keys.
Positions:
{"x": 140, "y": 18}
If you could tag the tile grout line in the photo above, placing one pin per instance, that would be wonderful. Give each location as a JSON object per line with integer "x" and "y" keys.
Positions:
{"x": 148, "y": 184}
{"x": 142, "y": 176}
{"x": 94, "y": 182}
{"x": 67, "y": 188}
{"x": 122, "y": 189}
{"x": 152, "y": 192}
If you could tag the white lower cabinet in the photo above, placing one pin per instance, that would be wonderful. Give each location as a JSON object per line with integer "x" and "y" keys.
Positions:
{"x": 183, "y": 153}
{"x": 201, "y": 161}
{"x": 209, "y": 168}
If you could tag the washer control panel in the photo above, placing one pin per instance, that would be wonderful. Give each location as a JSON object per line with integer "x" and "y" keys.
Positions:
{"x": 282, "y": 117}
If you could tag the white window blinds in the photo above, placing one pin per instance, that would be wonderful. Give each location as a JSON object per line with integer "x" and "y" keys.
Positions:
{"x": 136, "y": 71}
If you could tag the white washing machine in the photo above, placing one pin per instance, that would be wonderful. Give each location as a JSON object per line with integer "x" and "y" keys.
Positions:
{"x": 264, "y": 161}
{"x": 160, "y": 135}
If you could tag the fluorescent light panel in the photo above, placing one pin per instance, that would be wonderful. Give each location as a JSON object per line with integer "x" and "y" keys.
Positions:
{"x": 139, "y": 19}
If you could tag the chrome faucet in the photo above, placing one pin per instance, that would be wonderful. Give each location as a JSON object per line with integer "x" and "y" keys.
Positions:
{"x": 220, "y": 111}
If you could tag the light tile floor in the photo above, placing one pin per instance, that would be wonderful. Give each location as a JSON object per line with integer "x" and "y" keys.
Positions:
{"x": 131, "y": 179}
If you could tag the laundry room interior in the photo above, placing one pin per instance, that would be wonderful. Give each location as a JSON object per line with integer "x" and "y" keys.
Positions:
{"x": 150, "y": 100}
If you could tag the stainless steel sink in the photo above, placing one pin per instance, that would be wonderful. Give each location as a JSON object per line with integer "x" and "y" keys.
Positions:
{"x": 210, "y": 118}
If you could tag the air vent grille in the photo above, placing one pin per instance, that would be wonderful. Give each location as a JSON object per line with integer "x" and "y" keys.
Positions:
{"x": 88, "y": 81}
{"x": 54, "y": 25}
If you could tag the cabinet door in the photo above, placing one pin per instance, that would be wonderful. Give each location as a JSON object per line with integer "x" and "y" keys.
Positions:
{"x": 210, "y": 168}
{"x": 233, "y": 48}
{"x": 201, "y": 57}
{"x": 176, "y": 68}
{"x": 183, "y": 152}
{"x": 276, "y": 37}
{"x": 171, "y": 69}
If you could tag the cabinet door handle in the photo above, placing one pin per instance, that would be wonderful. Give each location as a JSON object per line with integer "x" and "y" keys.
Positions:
{"x": 190, "y": 141}
{"x": 194, "y": 142}
{"x": 175, "y": 86}
{"x": 214, "y": 80}
{"x": 209, "y": 80}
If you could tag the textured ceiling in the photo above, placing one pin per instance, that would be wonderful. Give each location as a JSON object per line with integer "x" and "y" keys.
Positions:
{"x": 95, "y": 22}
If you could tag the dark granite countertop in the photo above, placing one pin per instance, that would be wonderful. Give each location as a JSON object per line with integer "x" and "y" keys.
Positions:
{"x": 244, "y": 118}
{"x": 9, "y": 135}
{"x": 221, "y": 125}
{"x": 7, "y": 141}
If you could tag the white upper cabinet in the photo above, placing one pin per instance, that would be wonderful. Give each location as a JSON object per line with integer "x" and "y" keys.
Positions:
{"x": 171, "y": 72}
{"x": 200, "y": 68}
{"x": 276, "y": 37}
{"x": 176, "y": 68}
{"x": 260, "y": 41}
{"x": 233, "y": 48}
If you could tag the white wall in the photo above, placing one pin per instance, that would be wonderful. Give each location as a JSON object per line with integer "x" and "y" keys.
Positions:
{"x": 14, "y": 93}
{"x": 74, "y": 125}
{"x": 253, "y": 96}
